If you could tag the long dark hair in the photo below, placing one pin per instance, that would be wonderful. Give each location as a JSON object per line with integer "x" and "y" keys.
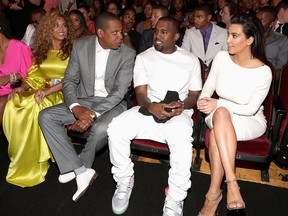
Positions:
{"x": 252, "y": 27}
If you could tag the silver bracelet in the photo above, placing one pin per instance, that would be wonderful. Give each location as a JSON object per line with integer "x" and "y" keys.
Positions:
{"x": 13, "y": 78}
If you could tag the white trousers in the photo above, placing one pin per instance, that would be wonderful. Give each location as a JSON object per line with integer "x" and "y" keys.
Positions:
{"x": 176, "y": 132}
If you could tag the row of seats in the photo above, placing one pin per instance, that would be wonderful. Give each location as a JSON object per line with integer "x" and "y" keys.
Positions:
{"x": 259, "y": 152}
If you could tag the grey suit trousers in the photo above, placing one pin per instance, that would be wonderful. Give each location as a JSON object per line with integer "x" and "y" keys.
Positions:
{"x": 52, "y": 121}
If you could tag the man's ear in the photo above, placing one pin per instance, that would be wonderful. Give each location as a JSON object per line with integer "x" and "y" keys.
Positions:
{"x": 176, "y": 36}
{"x": 209, "y": 17}
{"x": 100, "y": 33}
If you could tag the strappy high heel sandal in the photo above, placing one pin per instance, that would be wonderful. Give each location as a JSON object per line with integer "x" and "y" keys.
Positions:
{"x": 211, "y": 205}
{"x": 236, "y": 204}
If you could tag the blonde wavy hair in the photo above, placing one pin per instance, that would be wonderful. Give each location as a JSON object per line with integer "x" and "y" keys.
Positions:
{"x": 43, "y": 38}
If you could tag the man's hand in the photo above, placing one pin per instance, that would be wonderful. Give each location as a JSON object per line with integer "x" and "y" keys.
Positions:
{"x": 178, "y": 107}
{"x": 161, "y": 110}
{"x": 85, "y": 115}
{"x": 78, "y": 126}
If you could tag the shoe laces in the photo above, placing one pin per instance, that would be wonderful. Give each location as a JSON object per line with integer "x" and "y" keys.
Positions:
{"x": 123, "y": 189}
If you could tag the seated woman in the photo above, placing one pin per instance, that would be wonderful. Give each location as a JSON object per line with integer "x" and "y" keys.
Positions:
{"x": 114, "y": 7}
{"x": 242, "y": 84}
{"x": 145, "y": 24}
{"x": 27, "y": 149}
{"x": 15, "y": 60}
{"x": 79, "y": 24}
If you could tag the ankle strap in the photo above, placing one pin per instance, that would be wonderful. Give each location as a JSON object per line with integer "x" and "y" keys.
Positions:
{"x": 230, "y": 181}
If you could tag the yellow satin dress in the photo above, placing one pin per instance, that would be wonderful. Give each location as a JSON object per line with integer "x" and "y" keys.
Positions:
{"x": 27, "y": 149}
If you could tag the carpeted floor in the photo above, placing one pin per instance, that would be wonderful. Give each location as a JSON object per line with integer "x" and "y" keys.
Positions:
{"x": 54, "y": 199}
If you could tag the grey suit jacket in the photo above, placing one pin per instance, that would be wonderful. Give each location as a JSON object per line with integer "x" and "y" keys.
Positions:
{"x": 193, "y": 42}
{"x": 79, "y": 78}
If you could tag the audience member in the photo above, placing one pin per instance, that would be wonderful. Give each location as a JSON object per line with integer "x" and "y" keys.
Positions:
{"x": 242, "y": 84}
{"x": 246, "y": 6}
{"x": 114, "y": 7}
{"x": 276, "y": 44}
{"x": 19, "y": 15}
{"x": 228, "y": 12}
{"x": 206, "y": 39}
{"x": 65, "y": 6}
{"x": 177, "y": 11}
{"x": 188, "y": 21}
{"x": 145, "y": 24}
{"x": 15, "y": 60}
{"x": 281, "y": 24}
{"x": 86, "y": 12}
{"x": 274, "y": 3}
{"x": 79, "y": 24}
{"x": 159, "y": 70}
{"x": 264, "y": 3}
{"x": 30, "y": 33}
{"x": 130, "y": 37}
{"x": 147, "y": 37}
{"x": 98, "y": 76}
{"x": 27, "y": 149}
{"x": 99, "y": 6}
{"x": 50, "y": 4}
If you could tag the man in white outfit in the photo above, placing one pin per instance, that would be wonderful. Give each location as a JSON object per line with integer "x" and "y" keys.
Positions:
{"x": 162, "y": 68}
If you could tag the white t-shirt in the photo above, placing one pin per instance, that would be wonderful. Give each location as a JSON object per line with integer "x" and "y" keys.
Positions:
{"x": 179, "y": 71}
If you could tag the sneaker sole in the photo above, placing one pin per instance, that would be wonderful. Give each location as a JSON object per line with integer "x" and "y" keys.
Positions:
{"x": 119, "y": 211}
{"x": 90, "y": 183}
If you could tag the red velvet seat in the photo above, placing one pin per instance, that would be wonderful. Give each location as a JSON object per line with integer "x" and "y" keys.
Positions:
{"x": 281, "y": 158}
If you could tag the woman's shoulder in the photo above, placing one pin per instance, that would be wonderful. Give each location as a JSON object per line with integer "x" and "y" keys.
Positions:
{"x": 17, "y": 43}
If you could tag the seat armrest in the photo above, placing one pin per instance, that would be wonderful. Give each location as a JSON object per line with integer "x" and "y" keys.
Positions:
{"x": 279, "y": 106}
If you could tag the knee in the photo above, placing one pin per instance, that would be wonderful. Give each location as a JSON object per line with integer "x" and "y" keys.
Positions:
{"x": 221, "y": 114}
{"x": 43, "y": 116}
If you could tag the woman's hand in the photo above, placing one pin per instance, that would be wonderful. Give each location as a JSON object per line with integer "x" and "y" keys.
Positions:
{"x": 207, "y": 105}
{"x": 40, "y": 95}
{"x": 4, "y": 80}
{"x": 19, "y": 89}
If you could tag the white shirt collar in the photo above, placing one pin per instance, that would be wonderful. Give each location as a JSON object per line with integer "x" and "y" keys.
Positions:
{"x": 99, "y": 48}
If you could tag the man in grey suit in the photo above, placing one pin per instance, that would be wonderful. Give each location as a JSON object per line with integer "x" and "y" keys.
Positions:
{"x": 206, "y": 39}
{"x": 98, "y": 75}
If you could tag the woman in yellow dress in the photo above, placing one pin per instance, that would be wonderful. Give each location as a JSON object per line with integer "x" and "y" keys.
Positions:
{"x": 27, "y": 149}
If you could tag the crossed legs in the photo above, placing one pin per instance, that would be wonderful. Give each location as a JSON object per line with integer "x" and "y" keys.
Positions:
{"x": 222, "y": 151}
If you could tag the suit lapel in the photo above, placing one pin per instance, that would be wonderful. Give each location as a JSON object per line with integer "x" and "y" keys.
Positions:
{"x": 112, "y": 63}
{"x": 91, "y": 61}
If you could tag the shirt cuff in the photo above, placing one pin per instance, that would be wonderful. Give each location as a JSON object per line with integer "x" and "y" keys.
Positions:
{"x": 73, "y": 105}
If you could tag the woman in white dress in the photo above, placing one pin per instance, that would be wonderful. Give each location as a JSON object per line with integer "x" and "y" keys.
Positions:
{"x": 241, "y": 79}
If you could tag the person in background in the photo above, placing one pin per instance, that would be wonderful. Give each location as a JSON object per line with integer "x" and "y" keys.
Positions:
{"x": 67, "y": 5}
{"x": 130, "y": 37}
{"x": 145, "y": 24}
{"x": 15, "y": 60}
{"x": 79, "y": 24}
{"x": 96, "y": 80}
{"x": 99, "y": 6}
{"x": 30, "y": 33}
{"x": 177, "y": 11}
{"x": 161, "y": 69}
{"x": 114, "y": 7}
{"x": 19, "y": 14}
{"x": 86, "y": 13}
{"x": 227, "y": 13}
{"x": 242, "y": 81}
{"x": 205, "y": 39}
{"x": 147, "y": 37}
{"x": 281, "y": 24}
{"x": 276, "y": 44}
{"x": 27, "y": 149}
{"x": 50, "y": 4}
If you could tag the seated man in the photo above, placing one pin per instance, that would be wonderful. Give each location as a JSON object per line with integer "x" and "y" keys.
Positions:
{"x": 281, "y": 24}
{"x": 164, "y": 67}
{"x": 98, "y": 75}
{"x": 206, "y": 39}
{"x": 276, "y": 44}
{"x": 130, "y": 36}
